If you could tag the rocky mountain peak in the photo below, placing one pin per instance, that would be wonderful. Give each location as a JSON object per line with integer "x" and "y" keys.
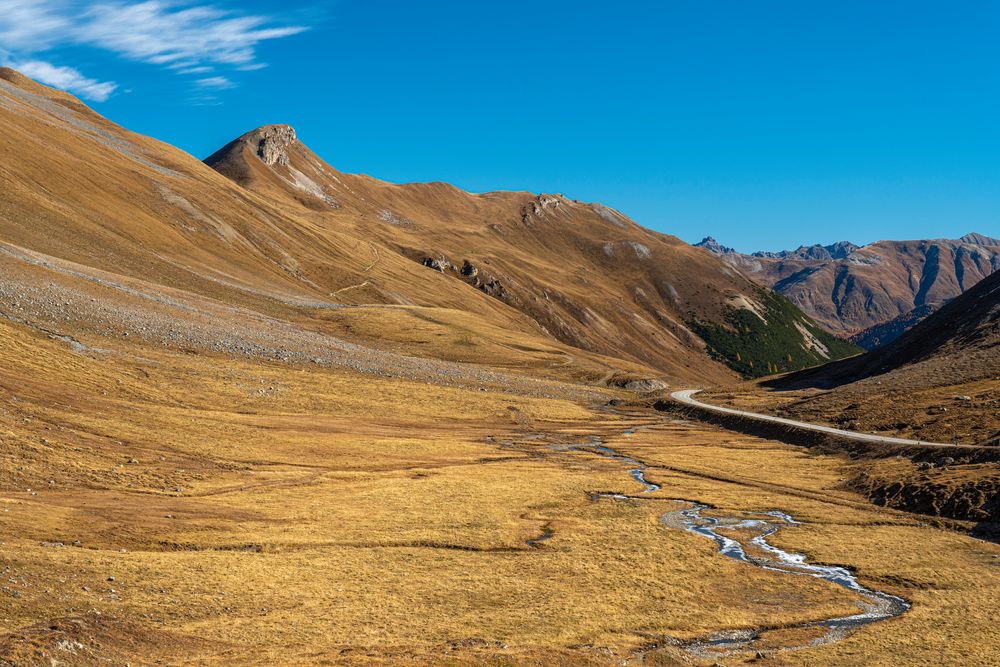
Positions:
{"x": 709, "y": 243}
{"x": 841, "y": 249}
{"x": 271, "y": 142}
{"x": 979, "y": 239}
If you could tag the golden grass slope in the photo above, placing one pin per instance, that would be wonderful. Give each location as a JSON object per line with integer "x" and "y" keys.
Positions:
{"x": 297, "y": 238}
{"x": 588, "y": 275}
{"x": 79, "y": 189}
{"x": 107, "y": 233}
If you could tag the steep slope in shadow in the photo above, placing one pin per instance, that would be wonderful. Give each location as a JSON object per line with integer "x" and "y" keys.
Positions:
{"x": 968, "y": 325}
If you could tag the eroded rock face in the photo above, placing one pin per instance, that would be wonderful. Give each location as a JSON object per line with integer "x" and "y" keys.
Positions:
{"x": 439, "y": 264}
{"x": 272, "y": 142}
{"x": 539, "y": 207}
{"x": 493, "y": 287}
{"x": 641, "y": 251}
{"x": 616, "y": 218}
{"x": 385, "y": 215}
{"x": 935, "y": 494}
{"x": 710, "y": 244}
{"x": 468, "y": 272}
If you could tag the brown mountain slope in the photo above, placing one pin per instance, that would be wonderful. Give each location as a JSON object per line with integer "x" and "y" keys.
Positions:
{"x": 879, "y": 335}
{"x": 104, "y": 233}
{"x": 587, "y": 274}
{"x": 938, "y": 382}
{"x": 326, "y": 258}
{"x": 849, "y": 289}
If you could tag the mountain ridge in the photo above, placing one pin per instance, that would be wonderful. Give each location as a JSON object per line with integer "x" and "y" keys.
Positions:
{"x": 523, "y": 243}
{"x": 274, "y": 232}
{"x": 851, "y": 290}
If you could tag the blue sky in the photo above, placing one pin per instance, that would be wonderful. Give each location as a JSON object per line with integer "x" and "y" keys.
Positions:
{"x": 766, "y": 124}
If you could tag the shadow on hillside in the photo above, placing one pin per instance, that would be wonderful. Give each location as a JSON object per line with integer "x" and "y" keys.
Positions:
{"x": 966, "y": 324}
{"x": 831, "y": 375}
{"x": 988, "y": 531}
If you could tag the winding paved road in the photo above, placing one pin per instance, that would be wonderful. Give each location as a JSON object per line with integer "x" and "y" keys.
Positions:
{"x": 685, "y": 397}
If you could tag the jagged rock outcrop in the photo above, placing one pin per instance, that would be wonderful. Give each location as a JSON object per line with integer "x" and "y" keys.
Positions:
{"x": 709, "y": 243}
{"x": 272, "y": 142}
{"x": 468, "y": 272}
{"x": 539, "y": 207}
{"x": 838, "y": 250}
{"x": 439, "y": 264}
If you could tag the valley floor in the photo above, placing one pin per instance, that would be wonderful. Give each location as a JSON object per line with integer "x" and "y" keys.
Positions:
{"x": 165, "y": 507}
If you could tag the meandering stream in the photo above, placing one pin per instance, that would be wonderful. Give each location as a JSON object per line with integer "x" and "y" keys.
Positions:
{"x": 756, "y": 551}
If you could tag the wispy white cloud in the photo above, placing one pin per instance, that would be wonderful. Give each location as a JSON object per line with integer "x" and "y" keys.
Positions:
{"x": 66, "y": 78}
{"x": 185, "y": 36}
{"x": 32, "y": 24}
{"x": 161, "y": 33}
{"x": 215, "y": 82}
{"x": 204, "y": 101}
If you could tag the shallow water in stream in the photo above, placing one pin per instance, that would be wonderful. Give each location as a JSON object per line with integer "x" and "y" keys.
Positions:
{"x": 751, "y": 547}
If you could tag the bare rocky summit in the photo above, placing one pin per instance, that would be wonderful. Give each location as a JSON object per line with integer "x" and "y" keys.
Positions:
{"x": 709, "y": 243}
{"x": 838, "y": 250}
{"x": 272, "y": 143}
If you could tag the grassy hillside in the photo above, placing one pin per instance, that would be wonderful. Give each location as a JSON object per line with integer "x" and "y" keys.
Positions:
{"x": 587, "y": 275}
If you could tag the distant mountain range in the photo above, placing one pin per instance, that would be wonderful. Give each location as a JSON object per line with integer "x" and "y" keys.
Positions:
{"x": 870, "y": 293}
{"x": 838, "y": 250}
